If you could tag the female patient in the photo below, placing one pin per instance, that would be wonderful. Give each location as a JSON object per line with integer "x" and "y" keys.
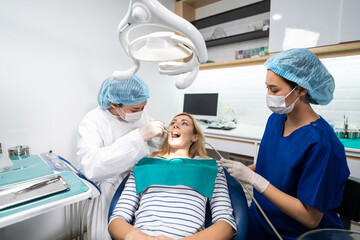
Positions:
{"x": 175, "y": 210}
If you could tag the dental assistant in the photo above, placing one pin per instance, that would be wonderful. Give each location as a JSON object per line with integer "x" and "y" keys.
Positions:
{"x": 112, "y": 138}
{"x": 301, "y": 168}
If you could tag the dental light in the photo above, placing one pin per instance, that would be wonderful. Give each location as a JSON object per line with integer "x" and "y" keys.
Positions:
{"x": 164, "y": 47}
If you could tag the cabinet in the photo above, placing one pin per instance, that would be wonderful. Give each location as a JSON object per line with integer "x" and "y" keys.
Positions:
{"x": 246, "y": 150}
{"x": 186, "y": 9}
{"x": 350, "y": 17}
{"x": 308, "y": 23}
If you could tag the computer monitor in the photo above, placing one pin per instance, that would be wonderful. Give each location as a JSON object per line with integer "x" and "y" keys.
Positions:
{"x": 201, "y": 105}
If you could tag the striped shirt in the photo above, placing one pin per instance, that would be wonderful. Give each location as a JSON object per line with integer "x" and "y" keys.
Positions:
{"x": 173, "y": 211}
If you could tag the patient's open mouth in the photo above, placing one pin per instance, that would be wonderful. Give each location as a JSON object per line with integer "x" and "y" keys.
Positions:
{"x": 175, "y": 134}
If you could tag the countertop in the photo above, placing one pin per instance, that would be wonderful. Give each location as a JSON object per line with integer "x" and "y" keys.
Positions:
{"x": 241, "y": 132}
{"x": 254, "y": 133}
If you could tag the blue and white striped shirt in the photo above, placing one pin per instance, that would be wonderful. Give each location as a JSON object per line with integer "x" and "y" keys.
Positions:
{"x": 173, "y": 211}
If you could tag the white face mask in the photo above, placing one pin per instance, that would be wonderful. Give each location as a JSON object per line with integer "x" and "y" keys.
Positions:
{"x": 277, "y": 103}
{"x": 130, "y": 117}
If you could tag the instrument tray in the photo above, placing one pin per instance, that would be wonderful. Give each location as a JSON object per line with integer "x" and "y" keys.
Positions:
{"x": 27, "y": 191}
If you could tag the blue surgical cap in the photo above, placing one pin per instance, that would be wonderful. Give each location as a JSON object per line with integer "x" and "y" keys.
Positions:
{"x": 303, "y": 67}
{"x": 131, "y": 91}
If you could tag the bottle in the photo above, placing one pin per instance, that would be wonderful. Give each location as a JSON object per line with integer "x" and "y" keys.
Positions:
{"x": 5, "y": 163}
{"x": 262, "y": 51}
{"x": 240, "y": 56}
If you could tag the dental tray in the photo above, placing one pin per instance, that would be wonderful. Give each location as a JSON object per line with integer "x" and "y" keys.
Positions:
{"x": 27, "y": 191}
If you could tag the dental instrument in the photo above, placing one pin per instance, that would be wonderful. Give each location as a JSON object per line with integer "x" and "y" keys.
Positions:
{"x": 170, "y": 132}
{"x": 257, "y": 204}
{"x": 164, "y": 46}
{"x": 167, "y": 130}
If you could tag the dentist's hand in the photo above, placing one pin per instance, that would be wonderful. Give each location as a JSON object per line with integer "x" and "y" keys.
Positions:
{"x": 245, "y": 174}
{"x": 152, "y": 129}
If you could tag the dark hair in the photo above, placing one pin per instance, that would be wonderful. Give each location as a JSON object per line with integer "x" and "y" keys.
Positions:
{"x": 293, "y": 85}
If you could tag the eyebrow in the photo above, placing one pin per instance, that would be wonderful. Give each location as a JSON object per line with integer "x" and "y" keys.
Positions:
{"x": 271, "y": 85}
{"x": 182, "y": 120}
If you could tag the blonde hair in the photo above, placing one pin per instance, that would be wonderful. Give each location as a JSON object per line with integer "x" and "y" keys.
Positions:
{"x": 196, "y": 149}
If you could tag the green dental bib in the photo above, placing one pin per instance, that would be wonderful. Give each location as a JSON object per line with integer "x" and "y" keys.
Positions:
{"x": 199, "y": 174}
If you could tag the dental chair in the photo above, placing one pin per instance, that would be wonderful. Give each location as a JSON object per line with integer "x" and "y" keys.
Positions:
{"x": 350, "y": 205}
{"x": 238, "y": 201}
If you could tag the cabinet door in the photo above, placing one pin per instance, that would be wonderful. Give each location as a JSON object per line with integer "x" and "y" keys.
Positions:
{"x": 304, "y": 23}
{"x": 233, "y": 146}
{"x": 350, "y": 19}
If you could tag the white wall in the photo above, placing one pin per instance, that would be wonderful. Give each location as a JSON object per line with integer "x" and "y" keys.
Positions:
{"x": 54, "y": 56}
{"x": 242, "y": 89}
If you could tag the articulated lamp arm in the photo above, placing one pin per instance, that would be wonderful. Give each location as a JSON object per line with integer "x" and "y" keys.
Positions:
{"x": 151, "y": 12}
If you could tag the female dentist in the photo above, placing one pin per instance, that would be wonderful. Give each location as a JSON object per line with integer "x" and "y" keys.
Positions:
{"x": 301, "y": 168}
{"x": 112, "y": 139}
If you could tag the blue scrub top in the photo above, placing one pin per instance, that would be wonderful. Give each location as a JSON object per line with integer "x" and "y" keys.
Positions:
{"x": 309, "y": 164}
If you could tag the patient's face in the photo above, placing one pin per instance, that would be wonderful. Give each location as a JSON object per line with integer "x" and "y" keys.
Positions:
{"x": 183, "y": 135}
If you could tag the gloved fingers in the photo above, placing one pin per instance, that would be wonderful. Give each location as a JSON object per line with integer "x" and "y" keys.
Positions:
{"x": 160, "y": 123}
{"x": 157, "y": 127}
{"x": 227, "y": 165}
{"x": 234, "y": 175}
{"x": 230, "y": 170}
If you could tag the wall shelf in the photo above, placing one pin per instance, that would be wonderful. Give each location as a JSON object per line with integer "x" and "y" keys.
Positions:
{"x": 235, "y": 14}
{"x": 338, "y": 50}
{"x": 196, "y": 3}
{"x": 186, "y": 9}
{"x": 237, "y": 38}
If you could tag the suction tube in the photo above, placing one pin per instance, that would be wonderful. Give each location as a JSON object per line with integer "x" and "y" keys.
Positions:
{"x": 257, "y": 204}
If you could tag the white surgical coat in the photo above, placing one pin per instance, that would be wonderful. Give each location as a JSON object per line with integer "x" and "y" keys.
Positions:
{"x": 108, "y": 148}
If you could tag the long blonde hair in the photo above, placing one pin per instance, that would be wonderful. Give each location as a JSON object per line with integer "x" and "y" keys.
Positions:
{"x": 196, "y": 149}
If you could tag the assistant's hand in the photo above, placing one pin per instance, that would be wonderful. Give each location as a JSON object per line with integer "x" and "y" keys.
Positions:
{"x": 152, "y": 129}
{"x": 245, "y": 174}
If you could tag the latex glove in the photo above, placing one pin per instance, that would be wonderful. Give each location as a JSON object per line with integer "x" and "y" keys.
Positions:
{"x": 245, "y": 174}
{"x": 152, "y": 129}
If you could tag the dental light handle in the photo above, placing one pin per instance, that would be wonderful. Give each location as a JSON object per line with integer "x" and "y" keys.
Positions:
{"x": 151, "y": 12}
{"x": 175, "y": 68}
{"x": 184, "y": 82}
{"x": 257, "y": 204}
{"x": 125, "y": 74}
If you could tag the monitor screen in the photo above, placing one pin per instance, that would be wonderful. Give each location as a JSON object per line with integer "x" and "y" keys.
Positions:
{"x": 201, "y": 105}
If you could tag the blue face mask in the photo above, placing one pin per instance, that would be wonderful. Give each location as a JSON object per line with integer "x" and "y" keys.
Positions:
{"x": 277, "y": 103}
